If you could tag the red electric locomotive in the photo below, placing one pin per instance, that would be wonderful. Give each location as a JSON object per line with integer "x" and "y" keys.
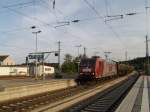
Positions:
{"x": 96, "y": 68}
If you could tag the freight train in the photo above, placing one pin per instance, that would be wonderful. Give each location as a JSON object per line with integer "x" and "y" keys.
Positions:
{"x": 96, "y": 68}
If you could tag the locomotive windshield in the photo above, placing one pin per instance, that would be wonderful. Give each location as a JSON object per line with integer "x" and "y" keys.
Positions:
{"x": 88, "y": 63}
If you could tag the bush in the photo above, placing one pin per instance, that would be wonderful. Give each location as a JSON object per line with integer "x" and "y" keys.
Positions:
{"x": 69, "y": 67}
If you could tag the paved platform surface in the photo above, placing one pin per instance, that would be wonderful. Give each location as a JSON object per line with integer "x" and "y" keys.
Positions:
{"x": 59, "y": 106}
{"x": 138, "y": 99}
{"x": 23, "y": 82}
{"x": 17, "y": 88}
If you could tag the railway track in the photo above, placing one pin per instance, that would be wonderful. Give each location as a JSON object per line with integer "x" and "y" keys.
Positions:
{"x": 30, "y": 103}
{"x": 106, "y": 101}
{"x": 27, "y": 104}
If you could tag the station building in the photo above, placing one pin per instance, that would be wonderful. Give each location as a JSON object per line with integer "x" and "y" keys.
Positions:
{"x": 9, "y": 68}
{"x": 41, "y": 70}
{"x": 6, "y": 60}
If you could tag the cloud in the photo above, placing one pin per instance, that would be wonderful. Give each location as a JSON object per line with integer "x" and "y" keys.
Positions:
{"x": 93, "y": 34}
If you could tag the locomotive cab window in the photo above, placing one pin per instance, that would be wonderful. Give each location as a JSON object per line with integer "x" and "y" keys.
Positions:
{"x": 87, "y": 63}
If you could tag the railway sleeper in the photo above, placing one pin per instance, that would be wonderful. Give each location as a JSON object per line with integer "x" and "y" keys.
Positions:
{"x": 104, "y": 102}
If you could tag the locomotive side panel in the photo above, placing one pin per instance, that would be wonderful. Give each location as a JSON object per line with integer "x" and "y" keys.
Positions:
{"x": 99, "y": 69}
{"x": 96, "y": 68}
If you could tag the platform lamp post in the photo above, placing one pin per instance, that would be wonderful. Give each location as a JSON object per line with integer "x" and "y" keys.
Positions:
{"x": 36, "y": 49}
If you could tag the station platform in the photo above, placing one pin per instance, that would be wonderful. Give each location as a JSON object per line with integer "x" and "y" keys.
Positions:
{"x": 14, "y": 82}
{"x": 8, "y": 82}
{"x": 16, "y": 88}
{"x": 138, "y": 98}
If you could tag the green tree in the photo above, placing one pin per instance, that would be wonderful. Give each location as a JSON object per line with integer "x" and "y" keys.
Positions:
{"x": 69, "y": 65}
{"x": 68, "y": 58}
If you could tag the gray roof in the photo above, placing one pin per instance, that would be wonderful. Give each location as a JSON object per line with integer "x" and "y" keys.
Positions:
{"x": 3, "y": 57}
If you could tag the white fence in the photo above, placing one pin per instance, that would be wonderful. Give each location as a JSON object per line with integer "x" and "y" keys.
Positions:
{"x": 13, "y": 71}
{"x": 47, "y": 70}
{"x": 23, "y": 70}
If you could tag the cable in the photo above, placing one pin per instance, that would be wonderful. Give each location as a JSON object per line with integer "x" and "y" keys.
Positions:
{"x": 9, "y": 7}
{"x": 17, "y": 5}
{"x": 101, "y": 17}
{"x": 21, "y": 4}
{"x": 15, "y": 29}
{"x": 44, "y": 23}
{"x": 106, "y": 7}
{"x": 46, "y": 6}
{"x": 14, "y": 46}
{"x": 93, "y": 8}
{"x": 31, "y": 18}
{"x": 56, "y": 9}
{"x": 22, "y": 14}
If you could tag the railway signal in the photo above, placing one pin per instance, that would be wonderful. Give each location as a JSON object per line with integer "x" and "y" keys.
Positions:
{"x": 56, "y": 54}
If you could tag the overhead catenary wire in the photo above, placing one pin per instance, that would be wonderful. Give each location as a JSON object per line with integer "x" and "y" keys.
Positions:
{"x": 25, "y": 15}
{"x": 22, "y": 14}
{"x": 13, "y": 46}
{"x": 9, "y": 7}
{"x": 106, "y": 7}
{"x": 109, "y": 26}
{"x": 40, "y": 21}
{"x": 14, "y": 30}
{"x": 68, "y": 22}
{"x": 47, "y": 6}
{"x": 43, "y": 22}
{"x": 17, "y": 5}
{"x": 29, "y": 17}
{"x": 34, "y": 18}
{"x": 20, "y": 4}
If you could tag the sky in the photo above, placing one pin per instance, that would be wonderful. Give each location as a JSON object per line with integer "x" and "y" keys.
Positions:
{"x": 93, "y": 31}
